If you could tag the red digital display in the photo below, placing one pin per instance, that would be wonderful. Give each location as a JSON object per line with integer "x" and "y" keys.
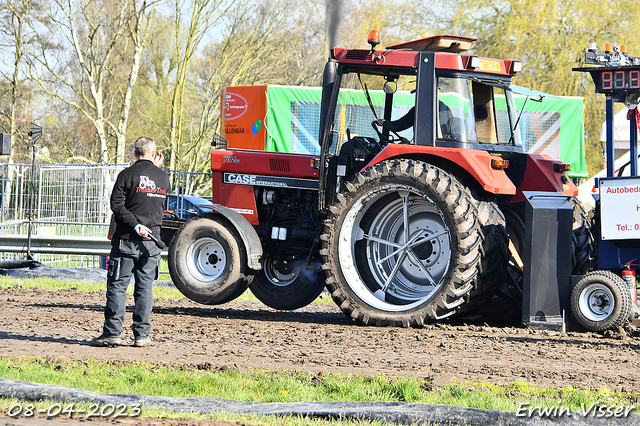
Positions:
{"x": 620, "y": 80}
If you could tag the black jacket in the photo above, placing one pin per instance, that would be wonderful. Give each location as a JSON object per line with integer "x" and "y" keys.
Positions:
{"x": 138, "y": 197}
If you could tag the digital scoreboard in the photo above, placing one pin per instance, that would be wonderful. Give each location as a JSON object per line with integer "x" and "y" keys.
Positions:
{"x": 616, "y": 81}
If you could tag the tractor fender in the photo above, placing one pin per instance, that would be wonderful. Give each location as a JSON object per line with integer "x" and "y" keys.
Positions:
{"x": 477, "y": 163}
{"x": 249, "y": 236}
{"x": 539, "y": 176}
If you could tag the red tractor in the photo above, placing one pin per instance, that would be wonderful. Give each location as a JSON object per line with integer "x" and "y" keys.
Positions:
{"x": 402, "y": 228}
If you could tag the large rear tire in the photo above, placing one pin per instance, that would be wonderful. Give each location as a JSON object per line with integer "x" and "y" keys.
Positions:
{"x": 402, "y": 245}
{"x": 494, "y": 253}
{"x": 285, "y": 284}
{"x": 514, "y": 277}
{"x": 601, "y": 301}
{"x": 207, "y": 261}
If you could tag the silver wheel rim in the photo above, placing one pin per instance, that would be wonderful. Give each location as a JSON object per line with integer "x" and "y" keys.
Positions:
{"x": 597, "y": 302}
{"x": 206, "y": 259}
{"x": 408, "y": 263}
{"x": 280, "y": 278}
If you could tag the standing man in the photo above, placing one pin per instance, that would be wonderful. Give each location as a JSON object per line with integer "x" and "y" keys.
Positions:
{"x": 137, "y": 202}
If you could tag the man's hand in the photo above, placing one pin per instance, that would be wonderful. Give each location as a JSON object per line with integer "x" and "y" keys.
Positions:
{"x": 142, "y": 230}
{"x": 158, "y": 159}
{"x": 379, "y": 121}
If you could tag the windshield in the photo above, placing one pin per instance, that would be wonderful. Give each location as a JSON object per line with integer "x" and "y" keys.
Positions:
{"x": 474, "y": 111}
{"x": 469, "y": 111}
{"x": 455, "y": 119}
{"x": 353, "y": 114}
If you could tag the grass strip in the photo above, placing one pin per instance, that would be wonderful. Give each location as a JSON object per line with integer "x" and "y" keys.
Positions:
{"x": 53, "y": 284}
{"x": 194, "y": 381}
{"x": 203, "y": 380}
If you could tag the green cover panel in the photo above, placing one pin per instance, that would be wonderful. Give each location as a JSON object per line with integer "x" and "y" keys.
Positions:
{"x": 292, "y": 121}
{"x": 554, "y": 126}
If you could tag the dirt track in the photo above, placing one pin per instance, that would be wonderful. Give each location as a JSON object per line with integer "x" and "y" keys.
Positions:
{"x": 318, "y": 338}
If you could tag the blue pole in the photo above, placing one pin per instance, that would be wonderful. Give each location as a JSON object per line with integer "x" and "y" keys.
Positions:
{"x": 633, "y": 149}
{"x": 610, "y": 149}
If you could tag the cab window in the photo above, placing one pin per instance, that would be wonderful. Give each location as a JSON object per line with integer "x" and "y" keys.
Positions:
{"x": 455, "y": 118}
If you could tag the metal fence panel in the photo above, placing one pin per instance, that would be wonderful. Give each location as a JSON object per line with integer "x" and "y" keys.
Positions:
{"x": 79, "y": 193}
{"x": 70, "y": 201}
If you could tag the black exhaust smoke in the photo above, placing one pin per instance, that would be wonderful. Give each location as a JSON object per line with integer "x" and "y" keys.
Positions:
{"x": 334, "y": 21}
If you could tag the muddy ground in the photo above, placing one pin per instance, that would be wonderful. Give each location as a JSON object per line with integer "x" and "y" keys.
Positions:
{"x": 320, "y": 338}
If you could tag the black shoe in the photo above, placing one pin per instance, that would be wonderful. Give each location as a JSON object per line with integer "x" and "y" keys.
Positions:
{"x": 106, "y": 341}
{"x": 142, "y": 342}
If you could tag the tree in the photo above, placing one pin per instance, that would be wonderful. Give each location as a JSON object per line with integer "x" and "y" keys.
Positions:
{"x": 265, "y": 42}
{"x": 97, "y": 32}
{"x": 257, "y": 43}
{"x": 550, "y": 38}
{"x": 397, "y": 21}
{"x": 17, "y": 33}
{"x": 201, "y": 16}
{"x": 262, "y": 44}
{"x": 141, "y": 14}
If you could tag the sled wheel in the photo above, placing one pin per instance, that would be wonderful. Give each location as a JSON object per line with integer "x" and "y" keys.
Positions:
{"x": 286, "y": 284}
{"x": 402, "y": 245}
{"x": 601, "y": 301}
{"x": 207, "y": 261}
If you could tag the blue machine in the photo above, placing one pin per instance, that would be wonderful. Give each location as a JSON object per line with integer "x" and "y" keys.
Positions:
{"x": 606, "y": 298}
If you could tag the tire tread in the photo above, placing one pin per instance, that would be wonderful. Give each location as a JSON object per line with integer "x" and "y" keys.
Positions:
{"x": 460, "y": 206}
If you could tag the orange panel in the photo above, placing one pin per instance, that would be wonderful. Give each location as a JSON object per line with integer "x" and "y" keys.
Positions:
{"x": 239, "y": 198}
{"x": 476, "y": 163}
{"x": 243, "y": 109}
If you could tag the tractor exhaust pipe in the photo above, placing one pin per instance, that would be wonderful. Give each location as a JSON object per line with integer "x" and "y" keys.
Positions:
{"x": 328, "y": 80}
{"x": 333, "y": 16}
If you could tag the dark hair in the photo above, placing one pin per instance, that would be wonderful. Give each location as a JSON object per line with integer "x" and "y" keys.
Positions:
{"x": 143, "y": 145}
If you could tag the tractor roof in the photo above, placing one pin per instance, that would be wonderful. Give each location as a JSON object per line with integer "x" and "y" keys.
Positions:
{"x": 437, "y": 43}
{"x": 447, "y": 50}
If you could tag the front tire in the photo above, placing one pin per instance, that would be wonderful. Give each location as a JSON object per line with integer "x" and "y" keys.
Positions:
{"x": 286, "y": 284}
{"x": 601, "y": 301}
{"x": 207, "y": 261}
{"x": 402, "y": 245}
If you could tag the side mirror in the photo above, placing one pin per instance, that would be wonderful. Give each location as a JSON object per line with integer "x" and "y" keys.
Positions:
{"x": 390, "y": 87}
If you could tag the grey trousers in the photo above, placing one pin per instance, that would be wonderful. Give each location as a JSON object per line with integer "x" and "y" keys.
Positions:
{"x": 140, "y": 258}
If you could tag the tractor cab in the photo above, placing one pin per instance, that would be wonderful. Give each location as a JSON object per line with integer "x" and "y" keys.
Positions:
{"x": 426, "y": 93}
